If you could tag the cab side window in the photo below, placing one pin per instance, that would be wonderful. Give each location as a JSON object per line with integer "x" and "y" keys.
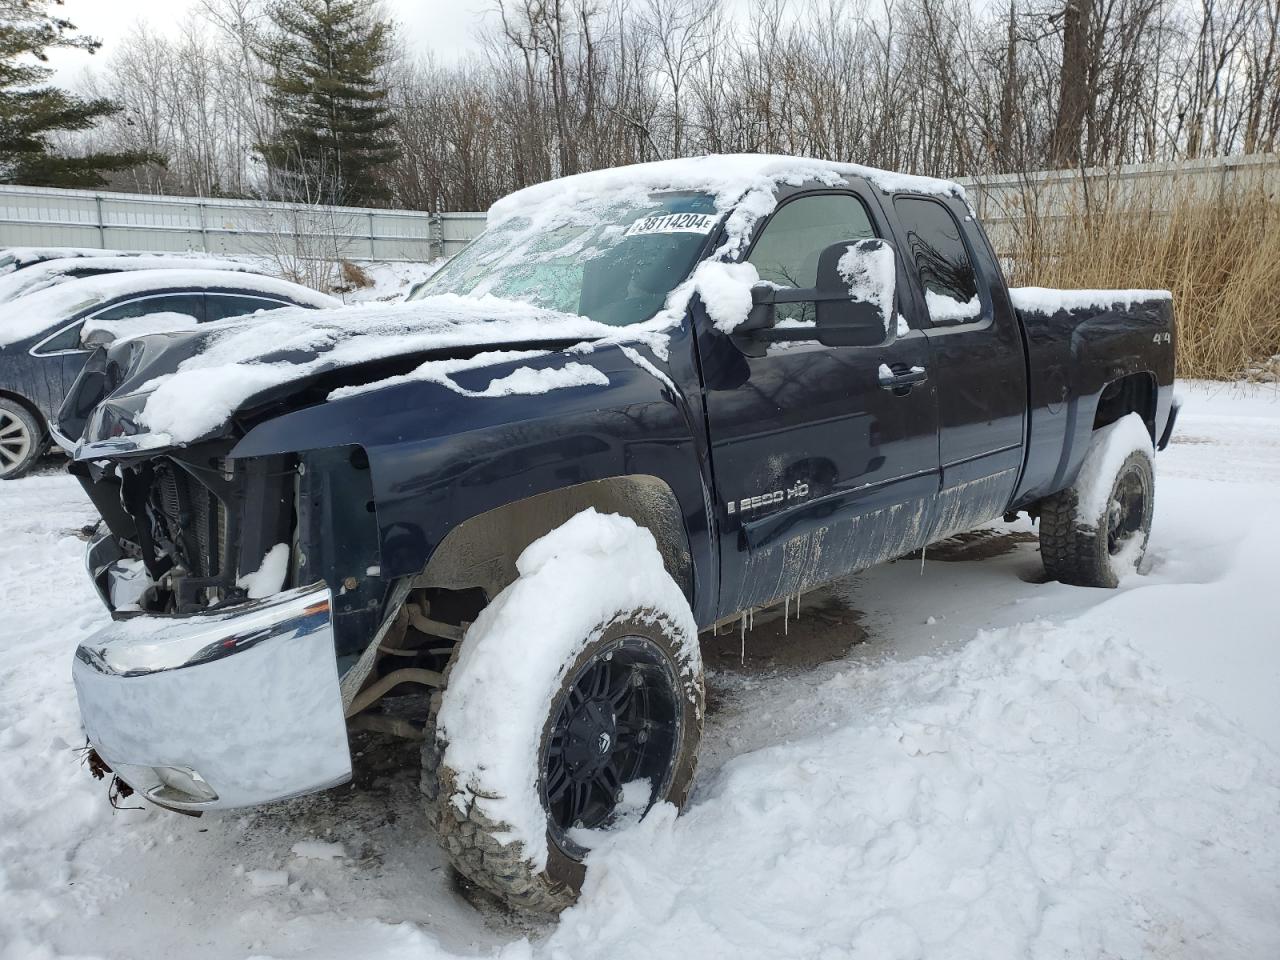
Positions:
{"x": 787, "y": 252}
{"x": 219, "y": 306}
{"x": 941, "y": 261}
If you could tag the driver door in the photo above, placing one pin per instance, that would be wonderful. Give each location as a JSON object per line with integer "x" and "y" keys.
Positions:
{"x": 820, "y": 469}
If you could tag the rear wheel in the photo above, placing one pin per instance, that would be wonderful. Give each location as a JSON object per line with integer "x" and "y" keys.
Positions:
{"x": 21, "y": 439}
{"x": 1096, "y": 531}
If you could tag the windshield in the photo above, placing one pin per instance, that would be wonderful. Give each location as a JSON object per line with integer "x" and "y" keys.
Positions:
{"x": 614, "y": 264}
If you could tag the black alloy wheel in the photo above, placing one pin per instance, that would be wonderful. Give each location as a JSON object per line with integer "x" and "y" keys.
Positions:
{"x": 616, "y": 721}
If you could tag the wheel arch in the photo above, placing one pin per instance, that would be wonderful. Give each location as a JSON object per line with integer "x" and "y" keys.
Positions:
{"x": 1132, "y": 393}
{"x": 27, "y": 405}
{"x": 482, "y": 550}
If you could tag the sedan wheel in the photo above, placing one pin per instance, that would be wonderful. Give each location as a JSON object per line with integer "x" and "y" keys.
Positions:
{"x": 20, "y": 437}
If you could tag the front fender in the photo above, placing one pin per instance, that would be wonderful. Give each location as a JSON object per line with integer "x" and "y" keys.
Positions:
{"x": 439, "y": 455}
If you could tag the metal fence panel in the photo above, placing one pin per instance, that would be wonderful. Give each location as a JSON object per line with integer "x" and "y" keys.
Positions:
{"x": 39, "y": 216}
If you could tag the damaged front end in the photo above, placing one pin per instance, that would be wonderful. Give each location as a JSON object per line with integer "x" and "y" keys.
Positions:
{"x": 240, "y": 590}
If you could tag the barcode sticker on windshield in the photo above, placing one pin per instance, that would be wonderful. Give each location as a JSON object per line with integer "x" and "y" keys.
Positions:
{"x": 673, "y": 223}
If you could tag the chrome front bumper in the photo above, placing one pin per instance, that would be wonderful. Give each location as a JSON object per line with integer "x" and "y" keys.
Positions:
{"x": 219, "y": 710}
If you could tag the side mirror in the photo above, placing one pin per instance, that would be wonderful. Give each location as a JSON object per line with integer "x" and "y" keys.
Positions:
{"x": 97, "y": 337}
{"x": 860, "y": 278}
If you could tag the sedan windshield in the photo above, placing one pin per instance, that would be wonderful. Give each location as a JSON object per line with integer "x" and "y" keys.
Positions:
{"x": 614, "y": 264}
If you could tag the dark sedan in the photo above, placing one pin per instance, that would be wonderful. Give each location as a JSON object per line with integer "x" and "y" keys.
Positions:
{"x": 42, "y": 335}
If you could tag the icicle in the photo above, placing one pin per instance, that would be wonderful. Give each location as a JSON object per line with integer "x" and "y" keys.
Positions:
{"x": 797, "y": 606}
{"x": 742, "y": 657}
{"x": 922, "y": 553}
{"x": 786, "y": 616}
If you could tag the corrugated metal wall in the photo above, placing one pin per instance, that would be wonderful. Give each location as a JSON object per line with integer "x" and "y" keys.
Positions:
{"x": 37, "y": 216}
{"x": 43, "y": 217}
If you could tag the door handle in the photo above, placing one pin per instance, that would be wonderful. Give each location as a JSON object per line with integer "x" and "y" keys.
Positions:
{"x": 900, "y": 378}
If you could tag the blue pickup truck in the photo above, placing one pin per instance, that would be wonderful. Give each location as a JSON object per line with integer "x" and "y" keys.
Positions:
{"x": 644, "y": 403}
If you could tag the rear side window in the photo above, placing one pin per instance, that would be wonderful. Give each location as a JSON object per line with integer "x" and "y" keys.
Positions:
{"x": 220, "y": 306}
{"x": 187, "y": 304}
{"x": 941, "y": 261}
{"x": 788, "y": 249}
{"x": 68, "y": 339}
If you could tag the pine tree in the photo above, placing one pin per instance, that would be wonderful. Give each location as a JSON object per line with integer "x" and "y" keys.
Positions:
{"x": 335, "y": 129}
{"x": 31, "y": 111}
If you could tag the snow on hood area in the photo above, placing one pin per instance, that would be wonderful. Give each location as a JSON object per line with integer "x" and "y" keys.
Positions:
{"x": 33, "y": 314}
{"x": 1003, "y": 768}
{"x": 246, "y": 356}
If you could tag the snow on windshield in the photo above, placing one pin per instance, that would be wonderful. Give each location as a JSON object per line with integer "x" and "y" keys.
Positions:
{"x": 617, "y": 245}
{"x": 614, "y": 263}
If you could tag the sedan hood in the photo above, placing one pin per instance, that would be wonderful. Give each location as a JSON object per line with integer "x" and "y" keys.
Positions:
{"x": 174, "y": 389}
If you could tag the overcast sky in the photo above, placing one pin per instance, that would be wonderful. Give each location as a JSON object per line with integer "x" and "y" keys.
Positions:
{"x": 446, "y": 27}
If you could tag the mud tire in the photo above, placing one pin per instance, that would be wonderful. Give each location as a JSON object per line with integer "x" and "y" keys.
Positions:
{"x": 1098, "y": 552}
{"x": 471, "y": 839}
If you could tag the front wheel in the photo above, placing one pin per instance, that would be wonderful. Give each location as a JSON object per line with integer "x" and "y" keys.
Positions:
{"x": 575, "y": 698}
{"x": 1096, "y": 531}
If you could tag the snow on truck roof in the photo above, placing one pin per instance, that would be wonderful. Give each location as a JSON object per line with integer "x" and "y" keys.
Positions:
{"x": 743, "y": 181}
{"x": 36, "y": 312}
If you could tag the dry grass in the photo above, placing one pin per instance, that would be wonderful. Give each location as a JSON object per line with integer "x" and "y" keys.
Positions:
{"x": 1220, "y": 256}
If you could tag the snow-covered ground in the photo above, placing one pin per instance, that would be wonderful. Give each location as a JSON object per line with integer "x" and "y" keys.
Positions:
{"x": 1003, "y": 768}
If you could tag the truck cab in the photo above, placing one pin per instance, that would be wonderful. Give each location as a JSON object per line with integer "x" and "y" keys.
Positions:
{"x": 643, "y": 403}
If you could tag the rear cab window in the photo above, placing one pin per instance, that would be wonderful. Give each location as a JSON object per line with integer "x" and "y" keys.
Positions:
{"x": 935, "y": 249}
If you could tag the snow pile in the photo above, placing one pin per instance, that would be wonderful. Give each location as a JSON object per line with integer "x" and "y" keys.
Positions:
{"x": 18, "y": 258}
{"x": 970, "y": 782}
{"x": 528, "y": 381}
{"x": 745, "y": 182}
{"x": 50, "y": 273}
{"x": 522, "y": 381}
{"x": 945, "y": 309}
{"x": 1108, "y": 450}
{"x": 391, "y": 279}
{"x": 1040, "y": 793}
{"x": 167, "y": 322}
{"x": 573, "y": 582}
{"x": 244, "y": 358}
{"x": 870, "y": 269}
{"x": 318, "y": 850}
{"x": 269, "y": 578}
{"x": 1050, "y": 300}
{"x": 723, "y": 288}
{"x": 35, "y": 313}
